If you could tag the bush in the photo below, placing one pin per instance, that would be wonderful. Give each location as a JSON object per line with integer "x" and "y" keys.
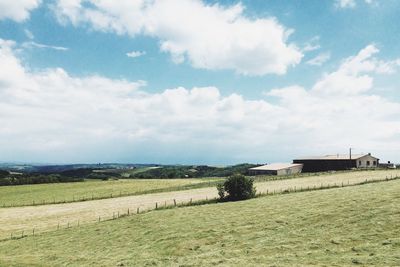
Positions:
{"x": 236, "y": 187}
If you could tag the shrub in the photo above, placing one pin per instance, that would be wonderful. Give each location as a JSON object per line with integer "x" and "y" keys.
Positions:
{"x": 221, "y": 190}
{"x": 237, "y": 187}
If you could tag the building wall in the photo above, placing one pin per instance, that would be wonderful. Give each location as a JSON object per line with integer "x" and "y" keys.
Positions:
{"x": 367, "y": 162}
{"x": 319, "y": 165}
{"x": 262, "y": 172}
{"x": 291, "y": 170}
{"x": 286, "y": 171}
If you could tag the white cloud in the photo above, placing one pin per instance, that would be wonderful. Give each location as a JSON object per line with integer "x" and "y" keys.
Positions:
{"x": 29, "y": 34}
{"x": 319, "y": 59}
{"x": 207, "y": 36}
{"x": 17, "y": 10}
{"x": 354, "y": 74}
{"x": 345, "y": 3}
{"x": 52, "y": 116}
{"x": 353, "y": 3}
{"x": 134, "y": 54}
{"x": 39, "y": 45}
{"x": 312, "y": 44}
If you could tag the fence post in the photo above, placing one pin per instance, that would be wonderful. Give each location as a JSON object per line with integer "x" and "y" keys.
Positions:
{"x": 175, "y": 202}
{"x": 137, "y": 211}
{"x": 190, "y": 201}
{"x": 128, "y": 211}
{"x": 33, "y": 232}
{"x": 156, "y": 205}
{"x": 99, "y": 218}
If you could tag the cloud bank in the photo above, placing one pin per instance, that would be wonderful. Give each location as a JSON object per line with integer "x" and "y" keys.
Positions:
{"x": 206, "y": 36}
{"x": 53, "y": 117}
{"x": 17, "y": 10}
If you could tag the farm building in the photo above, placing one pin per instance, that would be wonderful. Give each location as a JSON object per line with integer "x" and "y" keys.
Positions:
{"x": 337, "y": 162}
{"x": 276, "y": 169}
{"x": 387, "y": 165}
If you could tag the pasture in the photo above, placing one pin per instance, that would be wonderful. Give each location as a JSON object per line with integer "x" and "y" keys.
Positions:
{"x": 24, "y": 195}
{"x": 348, "y": 226}
{"x": 50, "y": 217}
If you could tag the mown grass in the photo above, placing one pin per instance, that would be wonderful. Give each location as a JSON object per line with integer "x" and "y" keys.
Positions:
{"x": 39, "y": 194}
{"x": 338, "y": 227}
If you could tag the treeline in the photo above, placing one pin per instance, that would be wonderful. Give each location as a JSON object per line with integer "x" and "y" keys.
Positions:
{"x": 7, "y": 178}
{"x": 192, "y": 171}
{"x": 162, "y": 172}
{"x": 90, "y": 173}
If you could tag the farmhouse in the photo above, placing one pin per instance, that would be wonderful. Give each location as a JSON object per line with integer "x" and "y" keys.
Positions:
{"x": 337, "y": 162}
{"x": 276, "y": 169}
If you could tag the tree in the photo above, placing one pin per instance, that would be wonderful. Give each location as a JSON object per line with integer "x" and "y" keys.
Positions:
{"x": 236, "y": 187}
{"x": 4, "y": 174}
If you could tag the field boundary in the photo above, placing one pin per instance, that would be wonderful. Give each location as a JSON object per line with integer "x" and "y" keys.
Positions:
{"x": 94, "y": 197}
{"x": 257, "y": 179}
{"x": 162, "y": 206}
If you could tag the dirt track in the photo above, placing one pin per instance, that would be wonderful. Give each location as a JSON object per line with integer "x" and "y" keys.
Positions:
{"x": 45, "y": 218}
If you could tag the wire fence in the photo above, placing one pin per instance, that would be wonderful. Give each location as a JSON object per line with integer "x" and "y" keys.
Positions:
{"x": 136, "y": 210}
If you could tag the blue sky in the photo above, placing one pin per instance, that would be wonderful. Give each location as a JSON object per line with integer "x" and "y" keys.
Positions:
{"x": 215, "y": 82}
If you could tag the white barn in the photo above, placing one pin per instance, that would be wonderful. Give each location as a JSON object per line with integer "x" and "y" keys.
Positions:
{"x": 276, "y": 169}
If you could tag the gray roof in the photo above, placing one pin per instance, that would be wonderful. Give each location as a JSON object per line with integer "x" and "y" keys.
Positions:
{"x": 336, "y": 157}
{"x": 275, "y": 166}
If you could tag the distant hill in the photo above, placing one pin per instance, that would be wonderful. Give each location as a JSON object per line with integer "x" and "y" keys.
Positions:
{"x": 52, "y": 168}
{"x": 191, "y": 171}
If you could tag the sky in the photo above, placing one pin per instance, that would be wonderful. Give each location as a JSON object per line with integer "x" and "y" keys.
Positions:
{"x": 198, "y": 81}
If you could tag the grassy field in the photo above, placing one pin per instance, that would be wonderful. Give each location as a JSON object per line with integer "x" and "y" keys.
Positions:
{"x": 69, "y": 192}
{"x": 39, "y": 194}
{"x": 337, "y": 227}
{"x": 43, "y": 218}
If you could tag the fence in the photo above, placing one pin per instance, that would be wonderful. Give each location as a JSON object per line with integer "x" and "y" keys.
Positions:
{"x": 164, "y": 205}
{"x": 90, "y": 197}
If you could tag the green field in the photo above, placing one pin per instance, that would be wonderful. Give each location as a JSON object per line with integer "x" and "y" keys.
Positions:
{"x": 347, "y": 226}
{"x": 21, "y": 195}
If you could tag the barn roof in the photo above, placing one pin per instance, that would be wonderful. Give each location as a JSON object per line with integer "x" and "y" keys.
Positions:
{"x": 275, "y": 167}
{"x": 336, "y": 157}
